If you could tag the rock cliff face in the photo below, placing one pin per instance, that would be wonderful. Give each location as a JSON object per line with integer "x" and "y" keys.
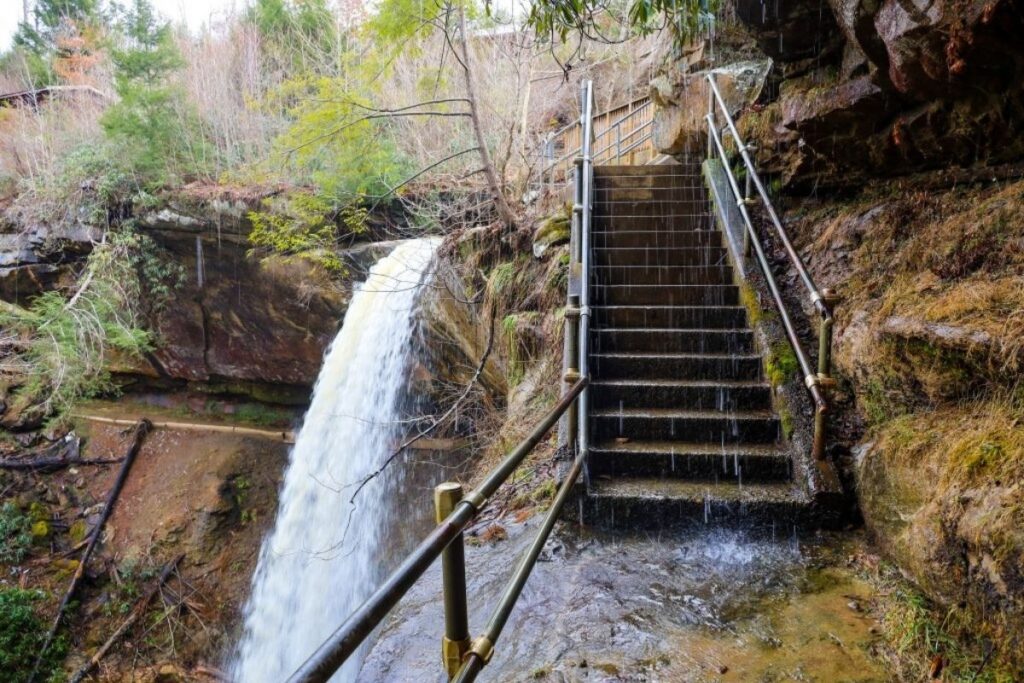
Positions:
{"x": 928, "y": 352}
{"x": 235, "y": 323}
{"x": 869, "y": 88}
{"x": 915, "y": 86}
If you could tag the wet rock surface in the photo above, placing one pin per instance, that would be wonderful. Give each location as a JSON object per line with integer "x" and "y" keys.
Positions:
{"x": 706, "y": 606}
{"x": 867, "y": 88}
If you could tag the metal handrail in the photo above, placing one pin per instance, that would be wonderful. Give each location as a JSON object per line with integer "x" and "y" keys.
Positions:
{"x": 341, "y": 644}
{"x": 551, "y": 168}
{"x": 584, "y": 206}
{"x": 483, "y": 647}
{"x": 822, "y": 300}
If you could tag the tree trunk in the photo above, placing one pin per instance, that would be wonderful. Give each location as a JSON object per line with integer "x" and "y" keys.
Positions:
{"x": 504, "y": 211}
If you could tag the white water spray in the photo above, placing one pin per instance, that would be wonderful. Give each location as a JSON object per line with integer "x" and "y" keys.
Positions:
{"x": 323, "y": 557}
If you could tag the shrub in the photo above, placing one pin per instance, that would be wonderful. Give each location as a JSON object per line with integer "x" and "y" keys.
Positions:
{"x": 22, "y": 634}
{"x": 15, "y": 534}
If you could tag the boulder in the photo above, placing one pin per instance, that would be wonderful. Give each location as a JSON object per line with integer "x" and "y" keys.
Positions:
{"x": 552, "y": 231}
{"x": 682, "y": 103}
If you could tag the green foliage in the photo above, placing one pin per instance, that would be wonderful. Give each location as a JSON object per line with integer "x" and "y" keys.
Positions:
{"x": 22, "y": 634}
{"x": 781, "y": 364}
{"x": 331, "y": 144}
{"x": 39, "y": 40}
{"x": 519, "y": 351}
{"x": 305, "y": 225}
{"x": 911, "y": 625}
{"x": 15, "y": 534}
{"x": 69, "y": 341}
{"x": 153, "y": 138}
{"x": 300, "y": 35}
{"x": 560, "y": 18}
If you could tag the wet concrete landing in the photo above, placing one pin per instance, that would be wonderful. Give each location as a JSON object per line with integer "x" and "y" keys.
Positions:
{"x": 706, "y": 606}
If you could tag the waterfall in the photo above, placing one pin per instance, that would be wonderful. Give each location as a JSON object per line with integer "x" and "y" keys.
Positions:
{"x": 322, "y": 558}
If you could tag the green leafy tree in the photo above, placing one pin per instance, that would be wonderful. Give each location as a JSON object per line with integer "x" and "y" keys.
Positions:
{"x": 155, "y": 138}
{"x": 301, "y": 35}
{"x": 599, "y": 20}
{"x": 40, "y": 39}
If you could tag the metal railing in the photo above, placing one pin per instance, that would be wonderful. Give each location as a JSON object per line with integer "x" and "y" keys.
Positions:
{"x": 463, "y": 657}
{"x": 822, "y": 300}
{"x": 621, "y": 135}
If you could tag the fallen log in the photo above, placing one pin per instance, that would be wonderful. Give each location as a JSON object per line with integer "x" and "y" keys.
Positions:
{"x": 63, "y": 453}
{"x": 141, "y": 429}
{"x": 282, "y": 435}
{"x": 140, "y": 608}
{"x": 44, "y": 463}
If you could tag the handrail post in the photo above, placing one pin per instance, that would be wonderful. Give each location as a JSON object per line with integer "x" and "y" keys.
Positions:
{"x": 711, "y": 113}
{"x": 824, "y": 368}
{"x": 456, "y": 642}
{"x": 747, "y": 190}
{"x": 572, "y": 372}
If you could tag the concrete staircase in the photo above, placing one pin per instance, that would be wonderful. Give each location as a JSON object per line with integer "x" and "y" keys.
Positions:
{"x": 682, "y": 426}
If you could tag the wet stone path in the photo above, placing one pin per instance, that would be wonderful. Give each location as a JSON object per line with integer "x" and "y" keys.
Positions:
{"x": 713, "y": 605}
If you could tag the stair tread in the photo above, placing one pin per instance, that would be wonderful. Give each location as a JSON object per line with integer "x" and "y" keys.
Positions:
{"x": 725, "y": 383}
{"x": 682, "y": 448}
{"x": 653, "y": 488}
{"x": 632, "y": 354}
{"x": 670, "y": 266}
{"x": 650, "y": 306}
{"x": 675, "y": 330}
{"x": 681, "y": 414}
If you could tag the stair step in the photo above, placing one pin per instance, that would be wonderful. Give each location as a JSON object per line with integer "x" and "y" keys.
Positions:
{"x": 650, "y": 503}
{"x": 665, "y": 275}
{"x": 603, "y": 171}
{"x": 660, "y": 257}
{"x": 678, "y": 221}
{"x": 660, "y": 424}
{"x": 676, "y": 366}
{"x": 612, "y": 193}
{"x": 690, "y": 394}
{"x": 732, "y": 317}
{"x": 650, "y": 236}
{"x": 693, "y": 207}
{"x": 667, "y": 340}
{"x": 747, "y": 463}
{"x": 672, "y": 295}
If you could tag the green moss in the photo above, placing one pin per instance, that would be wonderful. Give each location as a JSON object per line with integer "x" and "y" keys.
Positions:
{"x": 519, "y": 352}
{"x": 544, "y": 492}
{"x": 781, "y": 364}
{"x": 786, "y": 422}
{"x": 260, "y": 414}
{"x": 748, "y": 297}
{"x": 554, "y": 230}
{"x": 502, "y": 276}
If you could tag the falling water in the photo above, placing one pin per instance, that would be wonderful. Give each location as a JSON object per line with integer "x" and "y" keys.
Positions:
{"x": 322, "y": 558}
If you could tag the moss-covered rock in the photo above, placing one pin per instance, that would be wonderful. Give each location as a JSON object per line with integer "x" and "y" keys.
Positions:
{"x": 553, "y": 231}
{"x": 943, "y": 494}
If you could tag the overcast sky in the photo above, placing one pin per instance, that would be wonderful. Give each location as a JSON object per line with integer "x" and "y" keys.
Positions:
{"x": 194, "y": 12}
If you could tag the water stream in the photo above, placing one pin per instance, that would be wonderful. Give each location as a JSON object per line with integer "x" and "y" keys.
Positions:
{"x": 322, "y": 558}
